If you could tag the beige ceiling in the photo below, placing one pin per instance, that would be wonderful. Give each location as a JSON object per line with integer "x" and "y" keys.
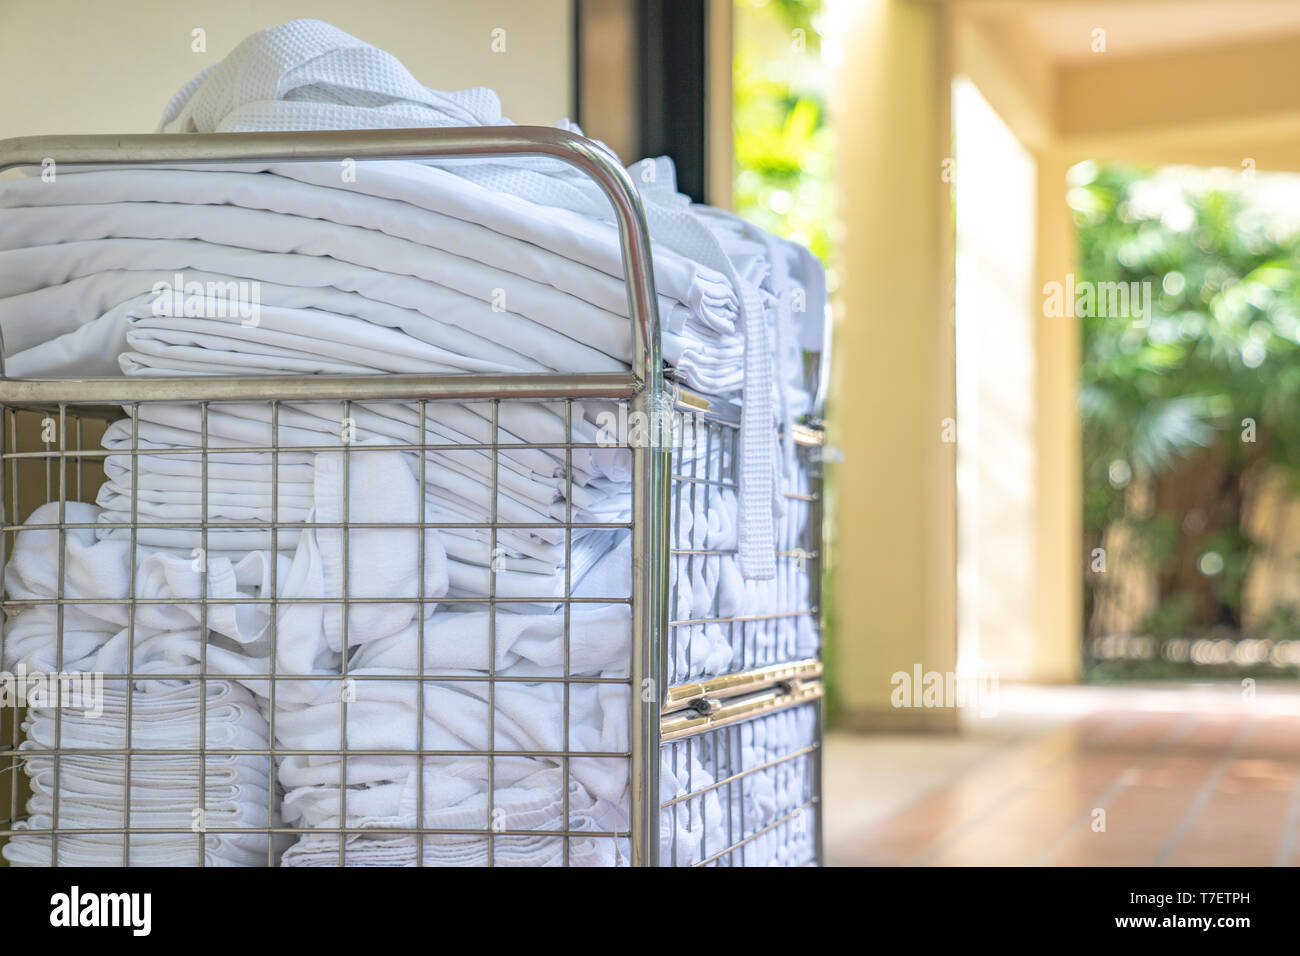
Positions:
{"x": 1143, "y": 27}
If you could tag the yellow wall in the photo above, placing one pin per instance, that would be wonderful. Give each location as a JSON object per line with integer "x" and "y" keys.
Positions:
{"x": 111, "y": 67}
{"x": 997, "y": 454}
{"x": 1058, "y": 507}
{"x": 894, "y": 513}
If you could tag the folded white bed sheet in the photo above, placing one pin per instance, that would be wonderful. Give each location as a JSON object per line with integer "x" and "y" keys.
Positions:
{"x": 557, "y": 304}
{"x": 86, "y": 314}
{"x": 115, "y": 203}
{"x": 524, "y": 562}
{"x": 513, "y": 285}
{"x": 236, "y": 425}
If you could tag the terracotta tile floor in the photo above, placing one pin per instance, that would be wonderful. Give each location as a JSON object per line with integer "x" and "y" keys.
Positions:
{"x": 1111, "y": 776}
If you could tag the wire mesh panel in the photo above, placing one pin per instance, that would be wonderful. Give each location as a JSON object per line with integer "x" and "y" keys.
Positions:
{"x": 318, "y": 633}
{"x": 746, "y": 793}
{"x": 287, "y": 622}
{"x": 721, "y": 623}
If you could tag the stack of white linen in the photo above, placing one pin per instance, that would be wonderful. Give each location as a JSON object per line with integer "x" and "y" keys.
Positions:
{"x": 710, "y": 590}
{"x": 760, "y": 815}
{"x": 89, "y": 791}
{"x": 454, "y": 288}
{"x": 86, "y": 791}
{"x": 458, "y": 255}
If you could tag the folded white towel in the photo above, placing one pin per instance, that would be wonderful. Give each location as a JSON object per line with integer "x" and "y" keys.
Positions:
{"x": 470, "y": 850}
{"x": 768, "y": 783}
{"x": 226, "y": 792}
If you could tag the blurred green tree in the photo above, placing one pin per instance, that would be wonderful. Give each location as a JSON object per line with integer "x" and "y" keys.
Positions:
{"x": 1198, "y": 405}
{"x": 782, "y": 142}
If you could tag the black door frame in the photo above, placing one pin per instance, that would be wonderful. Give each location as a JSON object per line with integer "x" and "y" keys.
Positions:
{"x": 668, "y": 84}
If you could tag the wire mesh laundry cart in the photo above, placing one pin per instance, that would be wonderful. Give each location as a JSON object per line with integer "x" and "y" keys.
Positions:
{"x": 728, "y": 756}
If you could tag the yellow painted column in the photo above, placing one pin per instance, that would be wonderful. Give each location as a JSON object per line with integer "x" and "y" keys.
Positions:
{"x": 893, "y": 598}
{"x": 1058, "y": 625}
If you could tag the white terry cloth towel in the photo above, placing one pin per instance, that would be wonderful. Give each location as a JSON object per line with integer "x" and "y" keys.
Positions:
{"x": 382, "y": 790}
{"x": 687, "y": 826}
{"x": 382, "y": 562}
{"x": 598, "y": 643}
{"x": 771, "y": 789}
{"x": 235, "y": 798}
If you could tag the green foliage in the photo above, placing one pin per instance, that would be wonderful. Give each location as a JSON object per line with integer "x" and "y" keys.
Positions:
{"x": 782, "y": 142}
{"x": 1221, "y": 345}
{"x": 1171, "y": 618}
{"x": 1221, "y": 348}
{"x": 1283, "y": 623}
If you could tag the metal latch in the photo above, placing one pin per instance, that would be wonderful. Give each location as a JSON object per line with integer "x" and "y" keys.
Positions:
{"x": 706, "y": 706}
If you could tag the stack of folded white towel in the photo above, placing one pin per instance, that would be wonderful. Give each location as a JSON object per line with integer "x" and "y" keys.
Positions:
{"x": 756, "y": 817}
{"x": 487, "y": 266}
{"x": 709, "y": 590}
{"x": 88, "y": 791}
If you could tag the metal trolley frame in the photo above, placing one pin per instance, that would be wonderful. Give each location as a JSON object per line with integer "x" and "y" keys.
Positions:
{"x": 658, "y": 713}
